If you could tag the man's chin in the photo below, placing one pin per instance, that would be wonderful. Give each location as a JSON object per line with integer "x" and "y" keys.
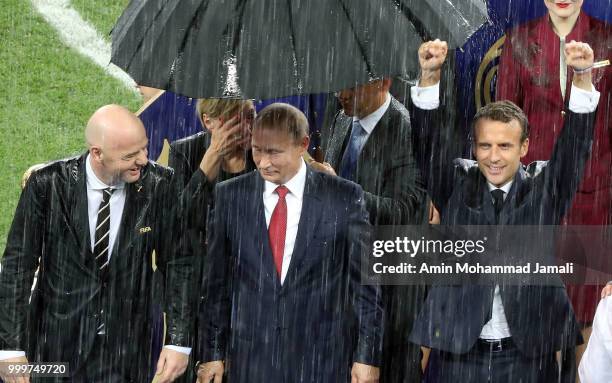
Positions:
{"x": 496, "y": 180}
{"x": 269, "y": 177}
{"x": 131, "y": 177}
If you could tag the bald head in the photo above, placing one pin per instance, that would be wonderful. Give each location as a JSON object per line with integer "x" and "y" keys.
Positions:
{"x": 110, "y": 124}
{"x": 117, "y": 144}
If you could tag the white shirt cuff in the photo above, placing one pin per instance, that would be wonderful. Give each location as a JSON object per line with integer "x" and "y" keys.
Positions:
{"x": 426, "y": 98}
{"x": 582, "y": 101}
{"x": 182, "y": 350}
{"x": 6, "y": 354}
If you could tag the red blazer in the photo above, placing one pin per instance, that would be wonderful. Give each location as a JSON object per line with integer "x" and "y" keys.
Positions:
{"x": 529, "y": 76}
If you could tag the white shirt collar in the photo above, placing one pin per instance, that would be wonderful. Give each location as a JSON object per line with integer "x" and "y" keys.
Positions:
{"x": 295, "y": 184}
{"x": 93, "y": 182}
{"x": 505, "y": 188}
{"x": 369, "y": 122}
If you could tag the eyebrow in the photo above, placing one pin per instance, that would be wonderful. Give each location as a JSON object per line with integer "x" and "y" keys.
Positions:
{"x": 136, "y": 151}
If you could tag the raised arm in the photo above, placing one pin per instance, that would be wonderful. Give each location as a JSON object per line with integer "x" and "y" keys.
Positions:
{"x": 437, "y": 141}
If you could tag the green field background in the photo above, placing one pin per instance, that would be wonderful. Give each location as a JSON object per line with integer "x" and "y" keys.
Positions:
{"x": 49, "y": 91}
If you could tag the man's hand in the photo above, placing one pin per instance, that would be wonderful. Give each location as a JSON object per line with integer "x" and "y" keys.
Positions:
{"x": 363, "y": 373}
{"x": 580, "y": 57}
{"x": 432, "y": 55}
{"x": 209, "y": 371}
{"x": 8, "y": 378}
{"x": 170, "y": 366}
{"x": 434, "y": 215}
{"x": 607, "y": 291}
{"x": 323, "y": 167}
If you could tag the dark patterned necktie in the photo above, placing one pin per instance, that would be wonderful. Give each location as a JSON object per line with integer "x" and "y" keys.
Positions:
{"x": 498, "y": 202}
{"x": 348, "y": 166}
{"x": 103, "y": 230}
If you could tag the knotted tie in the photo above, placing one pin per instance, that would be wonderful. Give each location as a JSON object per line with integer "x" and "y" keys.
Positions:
{"x": 358, "y": 137}
{"x": 278, "y": 228}
{"x": 498, "y": 202}
{"x": 103, "y": 230}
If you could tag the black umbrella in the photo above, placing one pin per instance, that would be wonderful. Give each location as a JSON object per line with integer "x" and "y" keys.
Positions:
{"x": 453, "y": 21}
{"x": 268, "y": 48}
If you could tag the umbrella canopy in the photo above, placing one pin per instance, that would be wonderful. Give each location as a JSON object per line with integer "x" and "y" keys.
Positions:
{"x": 266, "y": 48}
{"x": 453, "y": 21}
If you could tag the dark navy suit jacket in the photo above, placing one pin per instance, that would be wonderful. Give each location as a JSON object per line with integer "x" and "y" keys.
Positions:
{"x": 541, "y": 318}
{"x": 321, "y": 319}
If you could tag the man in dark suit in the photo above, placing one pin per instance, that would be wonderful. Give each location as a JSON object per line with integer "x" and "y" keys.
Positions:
{"x": 370, "y": 143}
{"x": 285, "y": 299}
{"x": 90, "y": 224}
{"x": 501, "y": 333}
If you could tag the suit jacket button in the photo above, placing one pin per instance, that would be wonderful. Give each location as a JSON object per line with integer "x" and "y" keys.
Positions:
{"x": 563, "y": 113}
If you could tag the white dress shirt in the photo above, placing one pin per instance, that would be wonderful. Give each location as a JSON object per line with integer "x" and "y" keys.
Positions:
{"x": 294, "y": 201}
{"x": 497, "y": 327}
{"x": 596, "y": 363}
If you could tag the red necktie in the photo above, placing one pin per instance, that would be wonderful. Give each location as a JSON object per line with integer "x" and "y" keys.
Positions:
{"x": 278, "y": 228}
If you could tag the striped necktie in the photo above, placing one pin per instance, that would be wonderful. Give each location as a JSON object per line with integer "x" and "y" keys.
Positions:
{"x": 103, "y": 230}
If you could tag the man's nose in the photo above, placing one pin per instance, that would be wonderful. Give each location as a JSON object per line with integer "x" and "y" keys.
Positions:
{"x": 494, "y": 157}
{"x": 264, "y": 161}
{"x": 141, "y": 159}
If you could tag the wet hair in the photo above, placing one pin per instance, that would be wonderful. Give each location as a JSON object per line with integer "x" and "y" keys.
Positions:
{"x": 283, "y": 117}
{"x": 502, "y": 111}
{"x": 220, "y": 107}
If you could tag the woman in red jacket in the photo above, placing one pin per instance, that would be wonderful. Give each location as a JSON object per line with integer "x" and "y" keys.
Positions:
{"x": 532, "y": 73}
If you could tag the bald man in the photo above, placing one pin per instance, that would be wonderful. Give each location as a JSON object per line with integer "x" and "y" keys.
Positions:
{"x": 90, "y": 224}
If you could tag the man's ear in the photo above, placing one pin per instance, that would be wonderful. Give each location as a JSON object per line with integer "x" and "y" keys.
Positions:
{"x": 524, "y": 147}
{"x": 386, "y": 83}
{"x": 96, "y": 153}
{"x": 305, "y": 143}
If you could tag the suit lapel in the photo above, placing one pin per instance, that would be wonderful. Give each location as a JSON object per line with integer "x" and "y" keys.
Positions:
{"x": 78, "y": 207}
{"x": 137, "y": 203}
{"x": 516, "y": 195}
{"x": 253, "y": 206}
{"x": 309, "y": 218}
{"x": 342, "y": 128}
{"x": 477, "y": 196}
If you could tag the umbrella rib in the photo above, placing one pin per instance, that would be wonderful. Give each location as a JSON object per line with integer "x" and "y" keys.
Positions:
{"x": 293, "y": 40}
{"x": 418, "y": 24}
{"x": 141, "y": 42}
{"x": 183, "y": 43}
{"x": 359, "y": 44}
{"x": 236, "y": 42}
